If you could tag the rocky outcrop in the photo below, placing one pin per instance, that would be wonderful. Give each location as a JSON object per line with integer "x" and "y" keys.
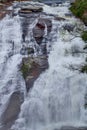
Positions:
{"x": 31, "y": 69}
{"x": 4, "y": 11}
{"x": 12, "y": 110}
{"x": 31, "y": 8}
{"x": 69, "y": 27}
{"x": 39, "y": 29}
{"x": 59, "y": 18}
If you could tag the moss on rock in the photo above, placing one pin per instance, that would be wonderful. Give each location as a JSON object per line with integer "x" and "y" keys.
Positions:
{"x": 26, "y": 66}
{"x": 84, "y": 36}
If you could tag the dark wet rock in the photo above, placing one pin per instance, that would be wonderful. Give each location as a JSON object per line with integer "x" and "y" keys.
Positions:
{"x": 44, "y": 49}
{"x": 30, "y": 50}
{"x": 31, "y": 69}
{"x": 10, "y": 54}
{"x": 59, "y": 18}
{"x": 39, "y": 29}
{"x": 69, "y": 27}
{"x": 68, "y": 14}
{"x": 12, "y": 110}
{"x": 73, "y": 128}
{"x": 48, "y": 23}
{"x": 52, "y": 2}
{"x": 30, "y": 8}
{"x": 29, "y": 15}
{"x": 23, "y": 50}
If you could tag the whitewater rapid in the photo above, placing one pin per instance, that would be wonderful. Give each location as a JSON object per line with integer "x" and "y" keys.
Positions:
{"x": 58, "y": 95}
{"x": 11, "y": 79}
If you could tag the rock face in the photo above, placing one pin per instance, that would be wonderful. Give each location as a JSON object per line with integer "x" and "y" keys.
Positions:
{"x": 31, "y": 68}
{"x": 39, "y": 29}
{"x": 69, "y": 27}
{"x": 12, "y": 110}
{"x": 59, "y": 18}
{"x": 30, "y": 8}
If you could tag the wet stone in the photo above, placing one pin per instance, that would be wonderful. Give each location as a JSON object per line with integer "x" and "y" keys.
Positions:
{"x": 12, "y": 110}
{"x": 39, "y": 29}
{"x": 69, "y": 27}
{"x": 59, "y": 18}
{"x": 30, "y": 8}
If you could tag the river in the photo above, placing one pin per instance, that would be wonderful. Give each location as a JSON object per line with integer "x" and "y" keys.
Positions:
{"x": 57, "y": 98}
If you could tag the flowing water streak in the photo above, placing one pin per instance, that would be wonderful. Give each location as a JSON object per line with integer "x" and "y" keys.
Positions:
{"x": 57, "y": 97}
{"x": 10, "y": 44}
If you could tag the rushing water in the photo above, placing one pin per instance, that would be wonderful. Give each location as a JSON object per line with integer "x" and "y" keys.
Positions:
{"x": 57, "y": 97}
{"x": 10, "y": 77}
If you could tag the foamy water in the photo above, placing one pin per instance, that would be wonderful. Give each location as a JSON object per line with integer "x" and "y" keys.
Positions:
{"x": 57, "y": 97}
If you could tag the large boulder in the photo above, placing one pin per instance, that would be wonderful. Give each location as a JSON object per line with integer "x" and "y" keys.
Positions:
{"x": 30, "y": 8}
{"x": 59, "y": 18}
{"x": 12, "y": 110}
{"x": 39, "y": 29}
{"x": 31, "y": 68}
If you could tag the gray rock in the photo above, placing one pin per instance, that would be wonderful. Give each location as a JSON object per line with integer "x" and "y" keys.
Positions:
{"x": 30, "y": 50}
{"x": 69, "y": 27}
{"x": 39, "y": 29}
{"x": 12, "y": 110}
{"x": 30, "y": 8}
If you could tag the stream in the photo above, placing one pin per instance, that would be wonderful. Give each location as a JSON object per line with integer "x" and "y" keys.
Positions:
{"x": 57, "y": 99}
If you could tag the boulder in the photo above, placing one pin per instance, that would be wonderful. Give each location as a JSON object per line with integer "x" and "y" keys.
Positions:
{"x": 69, "y": 27}
{"x": 31, "y": 68}
{"x": 12, "y": 110}
{"x": 59, "y": 18}
{"x": 30, "y": 8}
{"x": 39, "y": 29}
{"x": 23, "y": 50}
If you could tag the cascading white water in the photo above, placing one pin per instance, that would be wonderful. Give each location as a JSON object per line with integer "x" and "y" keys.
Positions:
{"x": 10, "y": 77}
{"x": 57, "y": 97}
{"x": 11, "y": 80}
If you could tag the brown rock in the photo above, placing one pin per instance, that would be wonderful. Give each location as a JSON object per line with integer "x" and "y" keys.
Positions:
{"x": 59, "y": 18}
{"x": 12, "y": 110}
{"x": 39, "y": 29}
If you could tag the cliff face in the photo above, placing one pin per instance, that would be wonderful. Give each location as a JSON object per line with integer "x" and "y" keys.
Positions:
{"x": 79, "y": 9}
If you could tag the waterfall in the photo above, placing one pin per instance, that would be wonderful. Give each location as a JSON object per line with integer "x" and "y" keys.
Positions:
{"x": 57, "y": 97}
{"x": 10, "y": 76}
